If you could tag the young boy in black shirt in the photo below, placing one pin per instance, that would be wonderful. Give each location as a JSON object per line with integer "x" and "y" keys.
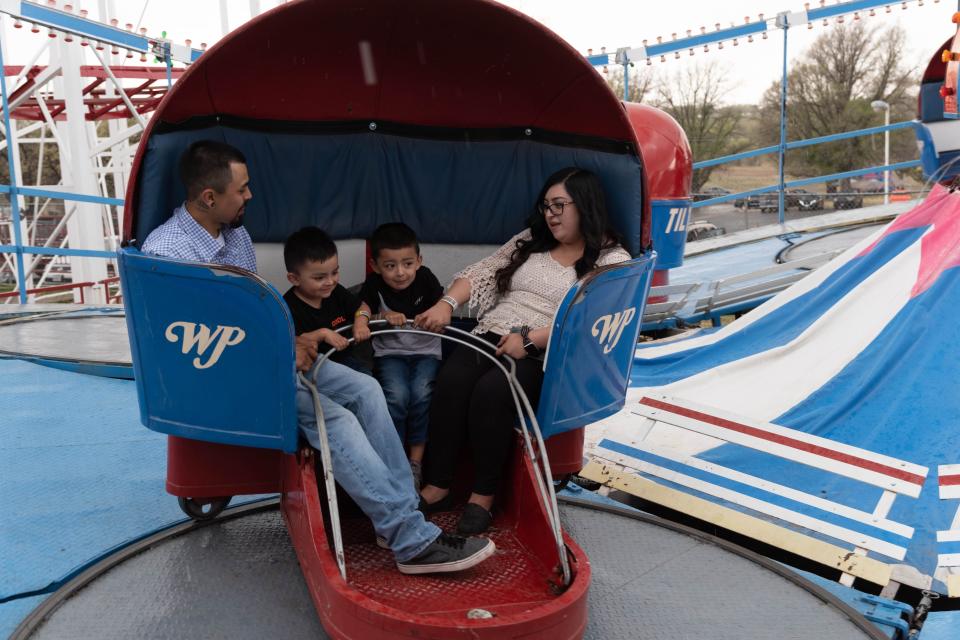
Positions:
{"x": 406, "y": 364}
{"x": 317, "y": 301}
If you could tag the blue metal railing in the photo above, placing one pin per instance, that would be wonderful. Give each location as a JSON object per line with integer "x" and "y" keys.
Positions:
{"x": 797, "y": 144}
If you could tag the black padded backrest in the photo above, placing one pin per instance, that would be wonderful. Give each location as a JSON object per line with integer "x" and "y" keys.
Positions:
{"x": 448, "y": 191}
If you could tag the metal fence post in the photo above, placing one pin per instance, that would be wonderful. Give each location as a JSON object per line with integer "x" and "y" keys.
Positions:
{"x": 784, "y": 23}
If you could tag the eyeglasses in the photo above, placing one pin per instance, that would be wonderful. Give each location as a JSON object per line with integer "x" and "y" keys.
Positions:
{"x": 556, "y": 208}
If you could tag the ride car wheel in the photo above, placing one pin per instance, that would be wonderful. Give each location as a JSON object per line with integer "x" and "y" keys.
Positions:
{"x": 204, "y": 508}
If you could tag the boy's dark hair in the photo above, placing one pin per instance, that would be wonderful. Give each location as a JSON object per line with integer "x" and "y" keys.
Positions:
{"x": 393, "y": 235}
{"x": 206, "y": 164}
{"x": 309, "y": 243}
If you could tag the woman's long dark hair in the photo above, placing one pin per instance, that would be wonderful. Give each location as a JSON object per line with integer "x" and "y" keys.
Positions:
{"x": 587, "y": 193}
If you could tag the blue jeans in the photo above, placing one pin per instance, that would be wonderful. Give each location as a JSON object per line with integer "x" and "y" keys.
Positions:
{"x": 368, "y": 460}
{"x": 407, "y": 383}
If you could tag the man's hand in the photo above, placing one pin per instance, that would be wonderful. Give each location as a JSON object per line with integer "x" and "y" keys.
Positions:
{"x": 395, "y": 318}
{"x": 306, "y": 352}
{"x": 512, "y": 345}
{"x": 334, "y": 339}
{"x": 436, "y": 318}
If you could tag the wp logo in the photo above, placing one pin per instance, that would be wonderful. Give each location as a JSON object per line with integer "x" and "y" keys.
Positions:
{"x": 198, "y": 337}
{"x": 608, "y": 329}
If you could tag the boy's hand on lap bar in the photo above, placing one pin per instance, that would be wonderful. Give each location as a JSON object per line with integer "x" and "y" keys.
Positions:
{"x": 395, "y": 318}
{"x": 334, "y": 339}
{"x": 361, "y": 329}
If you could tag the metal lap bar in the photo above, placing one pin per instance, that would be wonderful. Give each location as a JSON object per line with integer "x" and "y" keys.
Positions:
{"x": 724, "y": 293}
{"x": 328, "y": 478}
{"x": 658, "y": 311}
{"x": 525, "y": 413}
{"x": 948, "y": 480}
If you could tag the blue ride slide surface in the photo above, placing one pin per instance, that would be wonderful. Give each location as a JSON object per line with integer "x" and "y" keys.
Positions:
{"x": 896, "y": 395}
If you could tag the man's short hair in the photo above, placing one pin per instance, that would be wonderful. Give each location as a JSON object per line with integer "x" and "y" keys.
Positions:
{"x": 309, "y": 243}
{"x": 393, "y": 235}
{"x": 206, "y": 164}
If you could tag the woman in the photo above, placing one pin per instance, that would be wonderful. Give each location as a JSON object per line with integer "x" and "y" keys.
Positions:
{"x": 517, "y": 291}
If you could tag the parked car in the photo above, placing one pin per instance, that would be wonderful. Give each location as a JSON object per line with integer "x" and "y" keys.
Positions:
{"x": 805, "y": 200}
{"x": 711, "y": 192}
{"x": 702, "y": 229}
{"x": 750, "y": 202}
{"x": 847, "y": 201}
{"x": 770, "y": 202}
{"x": 873, "y": 183}
{"x": 792, "y": 199}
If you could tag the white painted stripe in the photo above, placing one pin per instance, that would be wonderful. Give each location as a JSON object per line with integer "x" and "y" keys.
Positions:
{"x": 801, "y": 288}
{"x": 948, "y": 560}
{"x": 879, "y": 521}
{"x": 948, "y": 536}
{"x": 950, "y": 492}
{"x": 768, "y": 384}
{"x": 802, "y": 436}
{"x": 948, "y": 470}
{"x": 884, "y": 504}
{"x": 760, "y": 506}
{"x": 818, "y": 462}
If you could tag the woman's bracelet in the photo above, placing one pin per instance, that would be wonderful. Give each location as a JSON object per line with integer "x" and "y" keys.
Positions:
{"x": 450, "y": 300}
{"x": 362, "y": 312}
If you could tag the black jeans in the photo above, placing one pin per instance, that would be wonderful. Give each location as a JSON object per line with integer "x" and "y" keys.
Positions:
{"x": 472, "y": 405}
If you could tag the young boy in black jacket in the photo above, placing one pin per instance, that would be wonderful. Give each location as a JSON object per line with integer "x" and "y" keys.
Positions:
{"x": 317, "y": 300}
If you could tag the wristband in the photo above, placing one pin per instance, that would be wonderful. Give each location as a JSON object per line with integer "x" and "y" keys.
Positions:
{"x": 362, "y": 312}
{"x": 450, "y": 300}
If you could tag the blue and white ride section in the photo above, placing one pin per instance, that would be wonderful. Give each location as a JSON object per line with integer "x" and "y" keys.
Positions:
{"x": 825, "y": 422}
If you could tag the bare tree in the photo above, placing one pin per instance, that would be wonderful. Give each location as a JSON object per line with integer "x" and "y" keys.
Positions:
{"x": 830, "y": 90}
{"x": 694, "y": 96}
{"x": 642, "y": 83}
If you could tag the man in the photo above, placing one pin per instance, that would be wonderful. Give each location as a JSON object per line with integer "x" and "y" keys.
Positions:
{"x": 368, "y": 460}
{"x": 207, "y": 226}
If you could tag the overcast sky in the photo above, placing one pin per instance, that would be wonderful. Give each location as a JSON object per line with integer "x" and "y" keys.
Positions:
{"x": 584, "y": 24}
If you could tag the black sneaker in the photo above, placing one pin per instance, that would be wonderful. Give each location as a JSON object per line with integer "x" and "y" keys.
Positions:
{"x": 449, "y": 553}
{"x": 475, "y": 519}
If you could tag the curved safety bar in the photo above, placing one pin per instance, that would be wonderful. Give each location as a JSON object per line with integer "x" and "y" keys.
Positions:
{"x": 522, "y": 405}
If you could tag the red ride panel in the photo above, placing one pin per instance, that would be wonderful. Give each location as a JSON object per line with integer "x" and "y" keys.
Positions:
{"x": 197, "y": 469}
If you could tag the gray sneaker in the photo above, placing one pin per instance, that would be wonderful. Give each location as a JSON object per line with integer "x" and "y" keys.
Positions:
{"x": 449, "y": 553}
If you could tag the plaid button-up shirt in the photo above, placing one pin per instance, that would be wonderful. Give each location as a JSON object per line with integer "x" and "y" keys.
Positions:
{"x": 183, "y": 238}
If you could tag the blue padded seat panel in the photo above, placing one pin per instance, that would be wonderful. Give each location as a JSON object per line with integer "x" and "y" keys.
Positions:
{"x": 449, "y": 191}
{"x": 931, "y": 104}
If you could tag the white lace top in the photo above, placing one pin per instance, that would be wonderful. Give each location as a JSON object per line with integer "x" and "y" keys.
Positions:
{"x": 535, "y": 292}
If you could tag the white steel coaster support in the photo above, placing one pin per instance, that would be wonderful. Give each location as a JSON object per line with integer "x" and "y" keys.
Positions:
{"x": 85, "y": 228}
{"x": 14, "y": 141}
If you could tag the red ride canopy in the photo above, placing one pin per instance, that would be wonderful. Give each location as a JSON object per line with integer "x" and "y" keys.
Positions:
{"x": 469, "y": 64}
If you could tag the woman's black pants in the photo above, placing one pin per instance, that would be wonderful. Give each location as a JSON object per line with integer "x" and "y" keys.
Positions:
{"x": 472, "y": 405}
